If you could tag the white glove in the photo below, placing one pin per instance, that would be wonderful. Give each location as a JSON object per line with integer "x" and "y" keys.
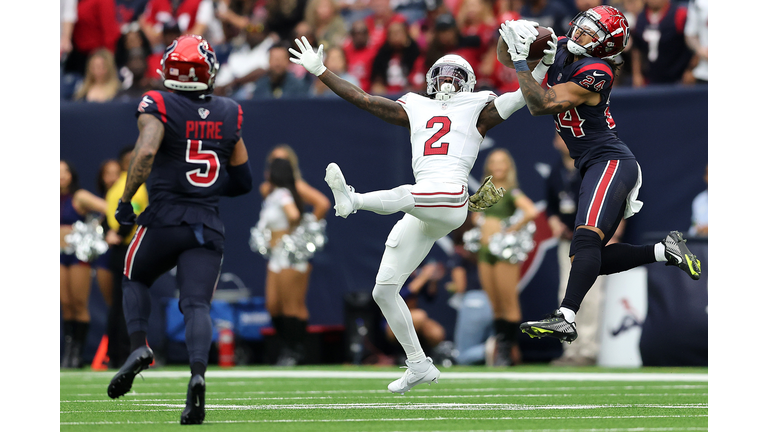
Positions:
{"x": 549, "y": 54}
{"x": 311, "y": 60}
{"x": 518, "y": 38}
{"x": 486, "y": 196}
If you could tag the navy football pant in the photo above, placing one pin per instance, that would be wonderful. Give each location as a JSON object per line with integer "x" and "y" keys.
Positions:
{"x": 196, "y": 252}
{"x": 602, "y": 200}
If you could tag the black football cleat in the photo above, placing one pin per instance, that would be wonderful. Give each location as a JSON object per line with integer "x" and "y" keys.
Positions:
{"x": 194, "y": 412}
{"x": 678, "y": 254}
{"x": 137, "y": 361}
{"x": 553, "y": 325}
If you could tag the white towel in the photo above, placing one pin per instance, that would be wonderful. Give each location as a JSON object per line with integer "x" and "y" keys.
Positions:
{"x": 633, "y": 204}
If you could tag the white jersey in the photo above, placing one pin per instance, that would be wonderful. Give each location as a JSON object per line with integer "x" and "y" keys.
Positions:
{"x": 444, "y": 136}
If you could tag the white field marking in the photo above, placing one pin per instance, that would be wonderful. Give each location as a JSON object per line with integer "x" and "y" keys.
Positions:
{"x": 388, "y": 394}
{"x": 437, "y": 419}
{"x": 514, "y": 376}
{"x": 432, "y": 406}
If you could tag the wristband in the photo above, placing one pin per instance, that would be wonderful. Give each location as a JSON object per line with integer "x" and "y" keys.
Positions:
{"x": 521, "y": 65}
{"x": 540, "y": 71}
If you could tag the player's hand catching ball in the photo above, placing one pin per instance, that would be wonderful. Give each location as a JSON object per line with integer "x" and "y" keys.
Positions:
{"x": 518, "y": 35}
{"x": 124, "y": 214}
{"x": 549, "y": 54}
{"x": 311, "y": 60}
{"x": 486, "y": 196}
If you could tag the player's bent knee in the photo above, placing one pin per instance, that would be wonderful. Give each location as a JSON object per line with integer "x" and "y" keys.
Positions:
{"x": 584, "y": 239}
{"x": 189, "y": 303}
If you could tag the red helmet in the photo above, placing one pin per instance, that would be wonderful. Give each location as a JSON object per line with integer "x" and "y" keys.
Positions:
{"x": 189, "y": 64}
{"x": 609, "y": 30}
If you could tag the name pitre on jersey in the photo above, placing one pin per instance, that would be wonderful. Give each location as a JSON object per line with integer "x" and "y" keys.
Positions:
{"x": 444, "y": 136}
{"x": 588, "y": 131}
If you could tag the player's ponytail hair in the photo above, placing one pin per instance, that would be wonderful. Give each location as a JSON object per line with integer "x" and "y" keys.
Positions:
{"x": 281, "y": 175}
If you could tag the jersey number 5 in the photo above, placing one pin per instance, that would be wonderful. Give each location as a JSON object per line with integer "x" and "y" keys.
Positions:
{"x": 204, "y": 176}
{"x": 445, "y": 127}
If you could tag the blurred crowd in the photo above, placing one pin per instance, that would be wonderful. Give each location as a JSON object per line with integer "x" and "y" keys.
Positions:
{"x": 111, "y": 49}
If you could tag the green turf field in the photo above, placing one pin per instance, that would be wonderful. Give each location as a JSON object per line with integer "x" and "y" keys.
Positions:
{"x": 348, "y": 398}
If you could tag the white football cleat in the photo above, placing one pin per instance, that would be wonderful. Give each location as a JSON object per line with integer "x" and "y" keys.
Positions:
{"x": 342, "y": 192}
{"x": 413, "y": 378}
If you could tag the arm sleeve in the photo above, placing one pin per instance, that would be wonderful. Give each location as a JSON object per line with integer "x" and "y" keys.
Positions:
{"x": 240, "y": 180}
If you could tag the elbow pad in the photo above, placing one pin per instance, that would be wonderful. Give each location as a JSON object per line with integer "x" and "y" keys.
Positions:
{"x": 240, "y": 180}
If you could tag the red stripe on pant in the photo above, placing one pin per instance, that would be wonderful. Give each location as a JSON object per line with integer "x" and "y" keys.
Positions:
{"x": 132, "y": 251}
{"x": 599, "y": 198}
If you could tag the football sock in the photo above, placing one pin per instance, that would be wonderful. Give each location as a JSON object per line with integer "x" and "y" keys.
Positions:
{"x": 658, "y": 251}
{"x": 386, "y": 201}
{"x": 137, "y": 305}
{"x": 198, "y": 328}
{"x": 619, "y": 257}
{"x": 138, "y": 340}
{"x": 587, "y": 249}
{"x": 511, "y": 331}
{"x": 198, "y": 368}
{"x": 399, "y": 318}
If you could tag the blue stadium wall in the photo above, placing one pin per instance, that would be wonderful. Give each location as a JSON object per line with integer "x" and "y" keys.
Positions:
{"x": 666, "y": 128}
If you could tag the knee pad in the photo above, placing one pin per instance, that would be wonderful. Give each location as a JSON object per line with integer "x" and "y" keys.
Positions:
{"x": 384, "y": 293}
{"x": 584, "y": 239}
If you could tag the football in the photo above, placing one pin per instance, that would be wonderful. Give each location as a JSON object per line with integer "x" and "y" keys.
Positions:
{"x": 534, "y": 54}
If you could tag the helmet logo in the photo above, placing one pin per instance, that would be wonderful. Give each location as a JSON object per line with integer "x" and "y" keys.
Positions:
{"x": 208, "y": 56}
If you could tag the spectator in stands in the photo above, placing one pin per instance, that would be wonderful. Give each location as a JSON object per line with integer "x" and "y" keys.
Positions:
{"x": 283, "y": 16}
{"x": 74, "y": 275}
{"x": 135, "y": 79}
{"x": 700, "y": 211}
{"x": 278, "y": 82}
{"x": 336, "y": 62}
{"x": 360, "y": 53}
{"x": 379, "y": 20}
{"x": 132, "y": 37}
{"x": 101, "y": 83}
{"x": 475, "y": 19}
{"x": 659, "y": 53}
{"x": 119, "y": 237}
{"x": 68, "y": 17}
{"x": 422, "y": 284}
{"x": 192, "y": 17}
{"x": 422, "y": 30}
{"x": 237, "y": 13}
{"x": 474, "y": 316}
{"x": 548, "y": 13}
{"x": 448, "y": 39}
{"x": 324, "y": 18}
{"x": 96, "y": 28}
{"x": 129, "y": 11}
{"x": 171, "y": 31}
{"x": 499, "y": 277}
{"x": 398, "y": 66}
{"x": 248, "y": 62}
{"x": 697, "y": 37}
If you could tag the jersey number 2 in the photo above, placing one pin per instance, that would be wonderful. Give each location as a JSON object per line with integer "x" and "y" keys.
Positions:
{"x": 445, "y": 127}
{"x": 204, "y": 176}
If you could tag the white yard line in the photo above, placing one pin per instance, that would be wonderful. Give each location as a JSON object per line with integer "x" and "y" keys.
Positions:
{"x": 512, "y": 376}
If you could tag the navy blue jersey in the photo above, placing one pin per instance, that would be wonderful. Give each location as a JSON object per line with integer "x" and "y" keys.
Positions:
{"x": 661, "y": 41}
{"x": 588, "y": 131}
{"x": 189, "y": 171}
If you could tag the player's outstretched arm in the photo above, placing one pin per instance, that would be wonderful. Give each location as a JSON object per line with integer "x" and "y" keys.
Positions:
{"x": 383, "y": 108}
{"x": 151, "y": 133}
